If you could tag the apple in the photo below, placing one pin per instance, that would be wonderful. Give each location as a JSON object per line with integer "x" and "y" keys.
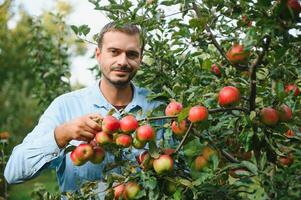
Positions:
{"x": 200, "y": 162}
{"x": 123, "y": 140}
{"x": 215, "y": 70}
{"x": 294, "y": 5}
{"x": 83, "y": 152}
{"x": 163, "y": 164}
{"x": 237, "y": 54}
{"x": 75, "y": 160}
{"x": 292, "y": 87}
{"x": 170, "y": 187}
{"x": 110, "y": 124}
{"x": 145, "y": 160}
{"x": 285, "y": 113}
{"x": 207, "y": 152}
{"x": 4, "y": 135}
{"x": 198, "y": 114}
{"x": 179, "y": 128}
{"x": 118, "y": 190}
{"x": 128, "y": 124}
{"x": 290, "y": 133}
{"x": 238, "y": 172}
{"x": 138, "y": 144}
{"x": 131, "y": 190}
{"x": 173, "y": 108}
{"x": 286, "y": 160}
{"x": 145, "y": 133}
{"x": 98, "y": 155}
{"x": 269, "y": 116}
{"x": 228, "y": 96}
{"x": 168, "y": 151}
{"x": 103, "y": 138}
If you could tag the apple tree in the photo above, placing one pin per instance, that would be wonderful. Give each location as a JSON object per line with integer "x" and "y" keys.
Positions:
{"x": 229, "y": 75}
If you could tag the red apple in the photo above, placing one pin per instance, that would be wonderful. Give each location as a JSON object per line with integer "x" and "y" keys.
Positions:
{"x": 168, "y": 151}
{"x": 198, "y": 114}
{"x": 237, "y": 54}
{"x": 179, "y": 128}
{"x": 173, "y": 108}
{"x": 98, "y": 155}
{"x": 294, "y": 5}
{"x": 83, "y": 152}
{"x": 285, "y": 113}
{"x": 131, "y": 190}
{"x": 118, "y": 191}
{"x": 110, "y": 124}
{"x": 124, "y": 140}
{"x": 207, "y": 152}
{"x": 269, "y": 116}
{"x": 292, "y": 87}
{"x": 200, "y": 162}
{"x": 145, "y": 133}
{"x": 103, "y": 138}
{"x": 138, "y": 144}
{"x": 128, "y": 124}
{"x": 145, "y": 160}
{"x": 290, "y": 133}
{"x": 75, "y": 160}
{"x": 163, "y": 164}
{"x": 215, "y": 70}
{"x": 228, "y": 96}
{"x": 286, "y": 160}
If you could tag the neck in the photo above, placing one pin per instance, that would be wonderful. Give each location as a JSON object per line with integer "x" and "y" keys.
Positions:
{"x": 118, "y": 96}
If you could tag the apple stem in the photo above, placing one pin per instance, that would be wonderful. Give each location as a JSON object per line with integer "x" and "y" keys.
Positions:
{"x": 184, "y": 138}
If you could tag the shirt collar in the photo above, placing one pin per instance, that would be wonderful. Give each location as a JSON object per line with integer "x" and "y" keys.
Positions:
{"x": 99, "y": 100}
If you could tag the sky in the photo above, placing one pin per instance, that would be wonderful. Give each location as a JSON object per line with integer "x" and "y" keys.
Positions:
{"x": 83, "y": 13}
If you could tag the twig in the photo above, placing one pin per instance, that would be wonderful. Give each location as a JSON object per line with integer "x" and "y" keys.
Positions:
{"x": 158, "y": 118}
{"x": 184, "y": 138}
{"x": 214, "y": 41}
{"x": 227, "y": 109}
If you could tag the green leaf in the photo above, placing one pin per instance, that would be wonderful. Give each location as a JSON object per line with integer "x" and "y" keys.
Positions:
{"x": 183, "y": 114}
{"x": 69, "y": 149}
{"x": 193, "y": 148}
{"x": 74, "y": 28}
{"x": 153, "y": 149}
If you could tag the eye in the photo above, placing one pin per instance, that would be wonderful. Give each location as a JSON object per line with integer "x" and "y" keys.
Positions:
{"x": 132, "y": 54}
{"x": 114, "y": 52}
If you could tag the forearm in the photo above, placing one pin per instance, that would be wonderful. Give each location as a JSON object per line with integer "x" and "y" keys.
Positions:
{"x": 28, "y": 158}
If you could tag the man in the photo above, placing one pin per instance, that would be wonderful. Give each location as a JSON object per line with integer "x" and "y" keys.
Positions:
{"x": 70, "y": 117}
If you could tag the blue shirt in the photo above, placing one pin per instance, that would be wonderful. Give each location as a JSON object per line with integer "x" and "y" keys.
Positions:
{"x": 39, "y": 149}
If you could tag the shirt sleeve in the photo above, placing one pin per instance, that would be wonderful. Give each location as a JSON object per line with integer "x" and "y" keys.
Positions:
{"x": 38, "y": 147}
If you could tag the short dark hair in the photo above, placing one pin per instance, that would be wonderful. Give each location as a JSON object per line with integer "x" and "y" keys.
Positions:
{"x": 129, "y": 29}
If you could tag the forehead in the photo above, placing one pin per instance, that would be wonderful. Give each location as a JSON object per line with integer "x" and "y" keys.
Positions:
{"x": 121, "y": 40}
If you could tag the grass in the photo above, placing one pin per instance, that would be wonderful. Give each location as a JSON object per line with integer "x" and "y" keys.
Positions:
{"x": 22, "y": 191}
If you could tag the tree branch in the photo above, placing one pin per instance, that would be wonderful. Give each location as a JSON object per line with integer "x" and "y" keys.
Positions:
{"x": 266, "y": 42}
{"x": 184, "y": 138}
{"x": 215, "y": 43}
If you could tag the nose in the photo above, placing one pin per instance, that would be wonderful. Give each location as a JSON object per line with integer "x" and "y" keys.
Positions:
{"x": 122, "y": 60}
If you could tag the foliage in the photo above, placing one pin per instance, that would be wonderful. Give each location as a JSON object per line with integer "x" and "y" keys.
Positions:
{"x": 180, "y": 49}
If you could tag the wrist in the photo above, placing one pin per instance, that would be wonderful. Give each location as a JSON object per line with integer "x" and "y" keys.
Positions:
{"x": 60, "y": 137}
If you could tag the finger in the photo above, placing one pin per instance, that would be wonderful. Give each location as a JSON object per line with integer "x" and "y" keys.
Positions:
{"x": 87, "y": 136}
{"x": 87, "y": 128}
{"x": 95, "y": 117}
{"x": 93, "y": 125}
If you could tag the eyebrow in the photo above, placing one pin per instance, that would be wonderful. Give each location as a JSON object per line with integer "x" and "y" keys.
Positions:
{"x": 128, "y": 51}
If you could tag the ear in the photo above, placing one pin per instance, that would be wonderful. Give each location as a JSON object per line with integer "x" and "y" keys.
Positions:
{"x": 97, "y": 53}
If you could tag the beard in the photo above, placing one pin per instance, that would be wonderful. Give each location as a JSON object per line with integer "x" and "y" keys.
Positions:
{"x": 121, "y": 83}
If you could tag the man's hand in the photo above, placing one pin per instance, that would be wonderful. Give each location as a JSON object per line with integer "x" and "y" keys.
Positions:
{"x": 83, "y": 128}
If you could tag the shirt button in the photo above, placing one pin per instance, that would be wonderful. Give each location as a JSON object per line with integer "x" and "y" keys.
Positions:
{"x": 54, "y": 154}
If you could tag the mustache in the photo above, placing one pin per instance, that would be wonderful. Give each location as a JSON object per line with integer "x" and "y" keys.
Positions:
{"x": 122, "y": 68}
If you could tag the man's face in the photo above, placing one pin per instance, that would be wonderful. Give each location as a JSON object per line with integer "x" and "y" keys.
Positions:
{"x": 119, "y": 57}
